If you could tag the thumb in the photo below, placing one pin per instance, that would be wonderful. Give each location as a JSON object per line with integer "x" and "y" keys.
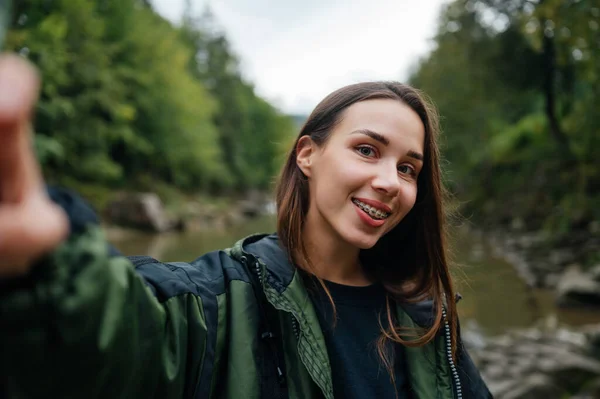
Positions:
{"x": 19, "y": 171}
{"x": 30, "y": 225}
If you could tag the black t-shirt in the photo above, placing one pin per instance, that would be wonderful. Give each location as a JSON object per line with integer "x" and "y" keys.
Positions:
{"x": 357, "y": 371}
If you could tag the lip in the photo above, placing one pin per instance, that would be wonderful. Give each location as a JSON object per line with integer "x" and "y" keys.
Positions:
{"x": 375, "y": 204}
{"x": 367, "y": 219}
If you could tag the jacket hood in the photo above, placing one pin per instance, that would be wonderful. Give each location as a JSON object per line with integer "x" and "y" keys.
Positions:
{"x": 267, "y": 249}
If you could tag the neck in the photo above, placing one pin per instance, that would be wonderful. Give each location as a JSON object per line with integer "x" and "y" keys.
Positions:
{"x": 331, "y": 258}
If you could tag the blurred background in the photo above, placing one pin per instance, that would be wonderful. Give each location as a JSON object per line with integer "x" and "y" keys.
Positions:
{"x": 172, "y": 118}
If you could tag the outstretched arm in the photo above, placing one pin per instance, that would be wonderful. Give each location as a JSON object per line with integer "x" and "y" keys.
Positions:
{"x": 75, "y": 321}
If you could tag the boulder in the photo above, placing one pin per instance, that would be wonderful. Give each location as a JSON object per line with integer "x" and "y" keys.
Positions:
{"x": 539, "y": 363}
{"x": 570, "y": 371}
{"x": 142, "y": 211}
{"x": 250, "y": 209}
{"x": 535, "y": 386}
{"x": 590, "y": 391}
{"x": 256, "y": 203}
{"x": 577, "y": 288}
{"x": 594, "y": 272}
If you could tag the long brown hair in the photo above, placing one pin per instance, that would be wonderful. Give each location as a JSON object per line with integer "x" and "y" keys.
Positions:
{"x": 410, "y": 260}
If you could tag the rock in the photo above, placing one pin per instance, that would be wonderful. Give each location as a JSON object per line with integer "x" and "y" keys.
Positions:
{"x": 539, "y": 363}
{"x": 500, "y": 388}
{"x": 472, "y": 335}
{"x": 233, "y": 217}
{"x": 142, "y": 211}
{"x": 250, "y": 209}
{"x": 194, "y": 209}
{"x": 570, "y": 371}
{"x": 270, "y": 208}
{"x": 495, "y": 372}
{"x": 493, "y": 358}
{"x": 561, "y": 257}
{"x": 594, "y": 272}
{"x": 200, "y": 216}
{"x": 577, "y": 288}
{"x": 523, "y": 365}
{"x": 180, "y": 224}
{"x": 591, "y": 390}
{"x": 517, "y": 224}
{"x": 593, "y": 338}
{"x": 535, "y": 386}
{"x": 551, "y": 280}
{"x": 255, "y": 204}
{"x": 575, "y": 339}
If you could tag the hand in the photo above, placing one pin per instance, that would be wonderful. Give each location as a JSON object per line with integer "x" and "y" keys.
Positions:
{"x": 30, "y": 224}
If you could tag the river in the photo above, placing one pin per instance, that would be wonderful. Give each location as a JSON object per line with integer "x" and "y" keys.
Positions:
{"x": 494, "y": 300}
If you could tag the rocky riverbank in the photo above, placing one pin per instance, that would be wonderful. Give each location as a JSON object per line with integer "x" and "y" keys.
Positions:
{"x": 570, "y": 264}
{"x": 540, "y": 364}
{"x": 546, "y": 362}
{"x": 146, "y": 212}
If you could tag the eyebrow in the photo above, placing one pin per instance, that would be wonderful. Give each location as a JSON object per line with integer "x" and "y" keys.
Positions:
{"x": 374, "y": 135}
{"x": 383, "y": 140}
{"x": 415, "y": 155}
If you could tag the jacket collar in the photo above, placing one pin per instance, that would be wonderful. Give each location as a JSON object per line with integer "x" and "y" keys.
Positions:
{"x": 281, "y": 271}
{"x": 284, "y": 289}
{"x": 267, "y": 249}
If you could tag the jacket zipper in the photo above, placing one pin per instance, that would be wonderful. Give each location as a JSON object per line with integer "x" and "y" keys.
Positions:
{"x": 267, "y": 334}
{"x": 455, "y": 377}
{"x": 258, "y": 271}
{"x": 295, "y": 327}
{"x": 295, "y": 324}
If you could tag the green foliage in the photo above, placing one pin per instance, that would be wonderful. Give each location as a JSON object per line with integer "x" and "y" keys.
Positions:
{"x": 48, "y": 149}
{"x": 517, "y": 86}
{"x": 249, "y": 127}
{"x": 519, "y": 142}
{"x": 127, "y": 97}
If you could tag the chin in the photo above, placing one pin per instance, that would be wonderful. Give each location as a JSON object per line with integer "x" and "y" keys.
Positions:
{"x": 362, "y": 240}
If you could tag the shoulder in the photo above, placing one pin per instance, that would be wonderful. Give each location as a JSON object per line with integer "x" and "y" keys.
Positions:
{"x": 423, "y": 312}
{"x": 208, "y": 275}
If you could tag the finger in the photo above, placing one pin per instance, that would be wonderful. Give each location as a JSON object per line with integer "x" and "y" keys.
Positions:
{"x": 19, "y": 172}
{"x": 27, "y": 231}
{"x": 19, "y": 84}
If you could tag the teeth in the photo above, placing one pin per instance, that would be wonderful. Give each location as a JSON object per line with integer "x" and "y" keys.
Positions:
{"x": 373, "y": 212}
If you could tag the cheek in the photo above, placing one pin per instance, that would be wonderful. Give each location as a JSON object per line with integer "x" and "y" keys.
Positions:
{"x": 338, "y": 173}
{"x": 410, "y": 195}
{"x": 406, "y": 200}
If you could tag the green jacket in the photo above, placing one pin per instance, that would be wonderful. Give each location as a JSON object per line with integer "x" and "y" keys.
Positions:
{"x": 85, "y": 324}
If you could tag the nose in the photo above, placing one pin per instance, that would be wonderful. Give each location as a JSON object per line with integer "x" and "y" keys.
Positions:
{"x": 386, "y": 180}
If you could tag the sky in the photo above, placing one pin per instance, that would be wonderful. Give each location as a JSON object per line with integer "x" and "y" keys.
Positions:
{"x": 296, "y": 52}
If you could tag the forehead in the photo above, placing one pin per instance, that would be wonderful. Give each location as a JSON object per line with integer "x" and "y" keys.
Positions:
{"x": 390, "y": 118}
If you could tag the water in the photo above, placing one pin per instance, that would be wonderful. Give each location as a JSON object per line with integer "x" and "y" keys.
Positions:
{"x": 185, "y": 247}
{"x": 494, "y": 297}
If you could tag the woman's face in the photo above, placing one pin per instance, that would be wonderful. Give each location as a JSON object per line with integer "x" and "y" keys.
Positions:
{"x": 363, "y": 180}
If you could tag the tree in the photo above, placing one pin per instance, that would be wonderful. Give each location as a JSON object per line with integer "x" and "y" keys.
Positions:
{"x": 248, "y": 126}
{"x": 515, "y": 83}
{"x": 117, "y": 98}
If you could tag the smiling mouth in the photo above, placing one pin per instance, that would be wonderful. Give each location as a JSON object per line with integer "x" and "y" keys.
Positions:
{"x": 373, "y": 212}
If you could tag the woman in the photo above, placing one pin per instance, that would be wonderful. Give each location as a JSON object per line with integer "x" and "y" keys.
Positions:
{"x": 350, "y": 299}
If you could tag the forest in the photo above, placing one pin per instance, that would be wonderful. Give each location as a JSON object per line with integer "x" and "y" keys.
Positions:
{"x": 133, "y": 101}
{"x": 129, "y": 100}
{"x": 517, "y": 83}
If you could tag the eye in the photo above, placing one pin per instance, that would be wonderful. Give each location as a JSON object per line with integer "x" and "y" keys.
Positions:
{"x": 407, "y": 170}
{"x": 366, "y": 150}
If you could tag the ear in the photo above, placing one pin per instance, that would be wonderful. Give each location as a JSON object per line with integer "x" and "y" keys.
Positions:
{"x": 305, "y": 151}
